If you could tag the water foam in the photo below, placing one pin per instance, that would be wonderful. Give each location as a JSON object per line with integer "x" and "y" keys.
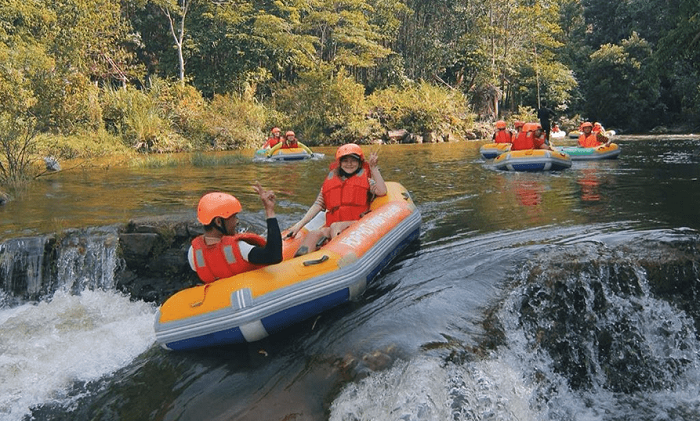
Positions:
{"x": 48, "y": 346}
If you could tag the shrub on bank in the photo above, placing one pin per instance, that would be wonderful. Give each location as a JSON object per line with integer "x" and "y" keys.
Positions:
{"x": 422, "y": 108}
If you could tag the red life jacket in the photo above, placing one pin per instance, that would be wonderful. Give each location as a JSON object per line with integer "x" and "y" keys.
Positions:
{"x": 290, "y": 145}
{"x": 503, "y": 136}
{"x": 223, "y": 260}
{"x": 346, "y": 200}
{"x": 272, "y": 141}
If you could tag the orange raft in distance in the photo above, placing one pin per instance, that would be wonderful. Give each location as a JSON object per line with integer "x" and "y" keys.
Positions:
{"x": 252, "y": 305}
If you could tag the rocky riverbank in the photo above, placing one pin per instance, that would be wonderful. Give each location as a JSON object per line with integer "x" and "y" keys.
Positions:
{"x": 146, "y": 259}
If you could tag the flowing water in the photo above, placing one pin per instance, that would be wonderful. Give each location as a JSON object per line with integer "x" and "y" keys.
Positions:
{"x": 568, "y": 295}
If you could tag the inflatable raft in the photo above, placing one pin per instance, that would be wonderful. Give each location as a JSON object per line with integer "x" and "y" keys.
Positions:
{"x": 578, "y": 153}
{"x": 252, "y": 305}
{"x": 532, "y": 160}
{"x": 291, "y": 154}
{"x": 492, "y": 150}
{"x": 557, "y": 135}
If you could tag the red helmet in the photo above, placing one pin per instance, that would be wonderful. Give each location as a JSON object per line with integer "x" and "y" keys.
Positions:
{"x": 529, "y": 127}
{"x": 216, "y": 204}
{"x": 500, "y": 124}
{"x": 349, "y": 149}
{"x": 276, "y": 130}
{"x": 289, "y": 133}
{"x": 518, "y": 124}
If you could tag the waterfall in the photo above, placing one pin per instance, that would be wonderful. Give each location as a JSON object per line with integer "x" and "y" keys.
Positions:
{"x": 33, "y": 268}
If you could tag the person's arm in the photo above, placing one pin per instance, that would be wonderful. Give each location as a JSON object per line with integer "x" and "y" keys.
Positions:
{"x": 273, "y": 149}
{"x": 379, "y": 187}
{"x": 304, "y": 147}
{"x": 317, "y": 207}
{"x": 272, "y": 252}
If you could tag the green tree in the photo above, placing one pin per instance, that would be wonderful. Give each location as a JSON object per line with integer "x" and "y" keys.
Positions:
{"x": 622, "y": 86}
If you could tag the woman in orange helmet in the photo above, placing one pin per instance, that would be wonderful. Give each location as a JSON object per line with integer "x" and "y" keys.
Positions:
{"x": 346, "y": 193}
{"x": 220, "y": 252}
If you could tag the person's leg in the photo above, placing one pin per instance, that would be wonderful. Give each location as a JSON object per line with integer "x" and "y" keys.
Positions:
{"x": 338, "y": 227}
{"x": 309, "y": 243}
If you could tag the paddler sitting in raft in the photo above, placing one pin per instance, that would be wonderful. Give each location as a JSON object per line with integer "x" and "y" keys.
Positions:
{"x": 591, "y": 139}
{"x": 290, "y": 142}
{"x": 502, "y": 135}
{"x": 220, "y": 252}
{"x": 531, "y": 137}
{"x": 274, "y": 139}
{"x": 346, "y": 194}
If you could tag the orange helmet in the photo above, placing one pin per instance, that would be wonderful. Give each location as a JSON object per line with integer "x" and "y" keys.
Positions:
{"x": 500, "y": 124}
{"x": 528, "y": 127}
{"x": 586, "y": 124}
{"x": 349, "y": 149}
{"x": 537, "y": 126}
{"x": 518, "y": 124}
{"x": 276, "y": 130}
{"x": 216, "y": 204}
{"x": 289, "y": 133}
{"x": 596, "y": 124}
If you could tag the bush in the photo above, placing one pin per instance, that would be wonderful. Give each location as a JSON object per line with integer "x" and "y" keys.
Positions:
{"x": 139, "y": 118}
{"x": 18, "y": 142}
{"x": 232, "y": 122}
{"x": 325, "y": 107}
{"x": 84, "y": 145}
{"x": 422, "y": 108}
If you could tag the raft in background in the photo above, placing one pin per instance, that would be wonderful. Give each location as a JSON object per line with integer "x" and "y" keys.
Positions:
{"x": 578, "y": 153}
{"x": 492, "y": 150}
{"x": 558, "y": 135}
{"x": 532, "y": 160}
{"x": 252, "y": 305}
{"x": 290, "y": 154}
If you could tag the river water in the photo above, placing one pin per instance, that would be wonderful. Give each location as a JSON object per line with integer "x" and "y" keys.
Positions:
{"x": 568, "y": 295}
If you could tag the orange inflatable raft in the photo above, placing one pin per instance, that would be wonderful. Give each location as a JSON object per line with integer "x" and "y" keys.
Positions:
{"x": 252, "y": 305}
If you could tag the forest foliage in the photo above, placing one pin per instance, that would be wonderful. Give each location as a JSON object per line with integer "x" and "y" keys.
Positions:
{"x": 175, "y": 75}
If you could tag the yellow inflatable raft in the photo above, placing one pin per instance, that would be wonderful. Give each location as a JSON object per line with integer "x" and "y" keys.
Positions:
{"x": 492, "y": 150}
{"x": 532, "y": 160}
{"x": 250, "y": 306}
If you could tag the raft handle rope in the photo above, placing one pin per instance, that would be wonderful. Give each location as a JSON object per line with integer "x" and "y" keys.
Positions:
{"x": 316, "y": 261}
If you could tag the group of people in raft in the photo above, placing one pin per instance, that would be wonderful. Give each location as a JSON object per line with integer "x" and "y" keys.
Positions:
{"x": 345, "y": 195}
{"x": 276, "y": 141}
{"x": 532, "y": 136}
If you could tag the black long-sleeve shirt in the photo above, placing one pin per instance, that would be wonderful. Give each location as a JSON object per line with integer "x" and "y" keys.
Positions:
{"x": 272, "y": 252}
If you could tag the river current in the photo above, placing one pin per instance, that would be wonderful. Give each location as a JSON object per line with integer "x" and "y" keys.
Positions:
{"x": 568, "y": 295}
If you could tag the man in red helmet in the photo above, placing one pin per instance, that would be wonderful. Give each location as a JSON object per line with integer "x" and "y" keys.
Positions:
{"x": 220, "y": 252}
{"x": 346, "y": 194}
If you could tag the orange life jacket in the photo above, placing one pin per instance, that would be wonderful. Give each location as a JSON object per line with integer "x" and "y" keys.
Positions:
{"x": 224, "y": 259}
{"x": 523, "y": 141}
{"x": 590, "y": 141}
{"x": 503, "y": 136}
{"x": 346, "y": 200}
